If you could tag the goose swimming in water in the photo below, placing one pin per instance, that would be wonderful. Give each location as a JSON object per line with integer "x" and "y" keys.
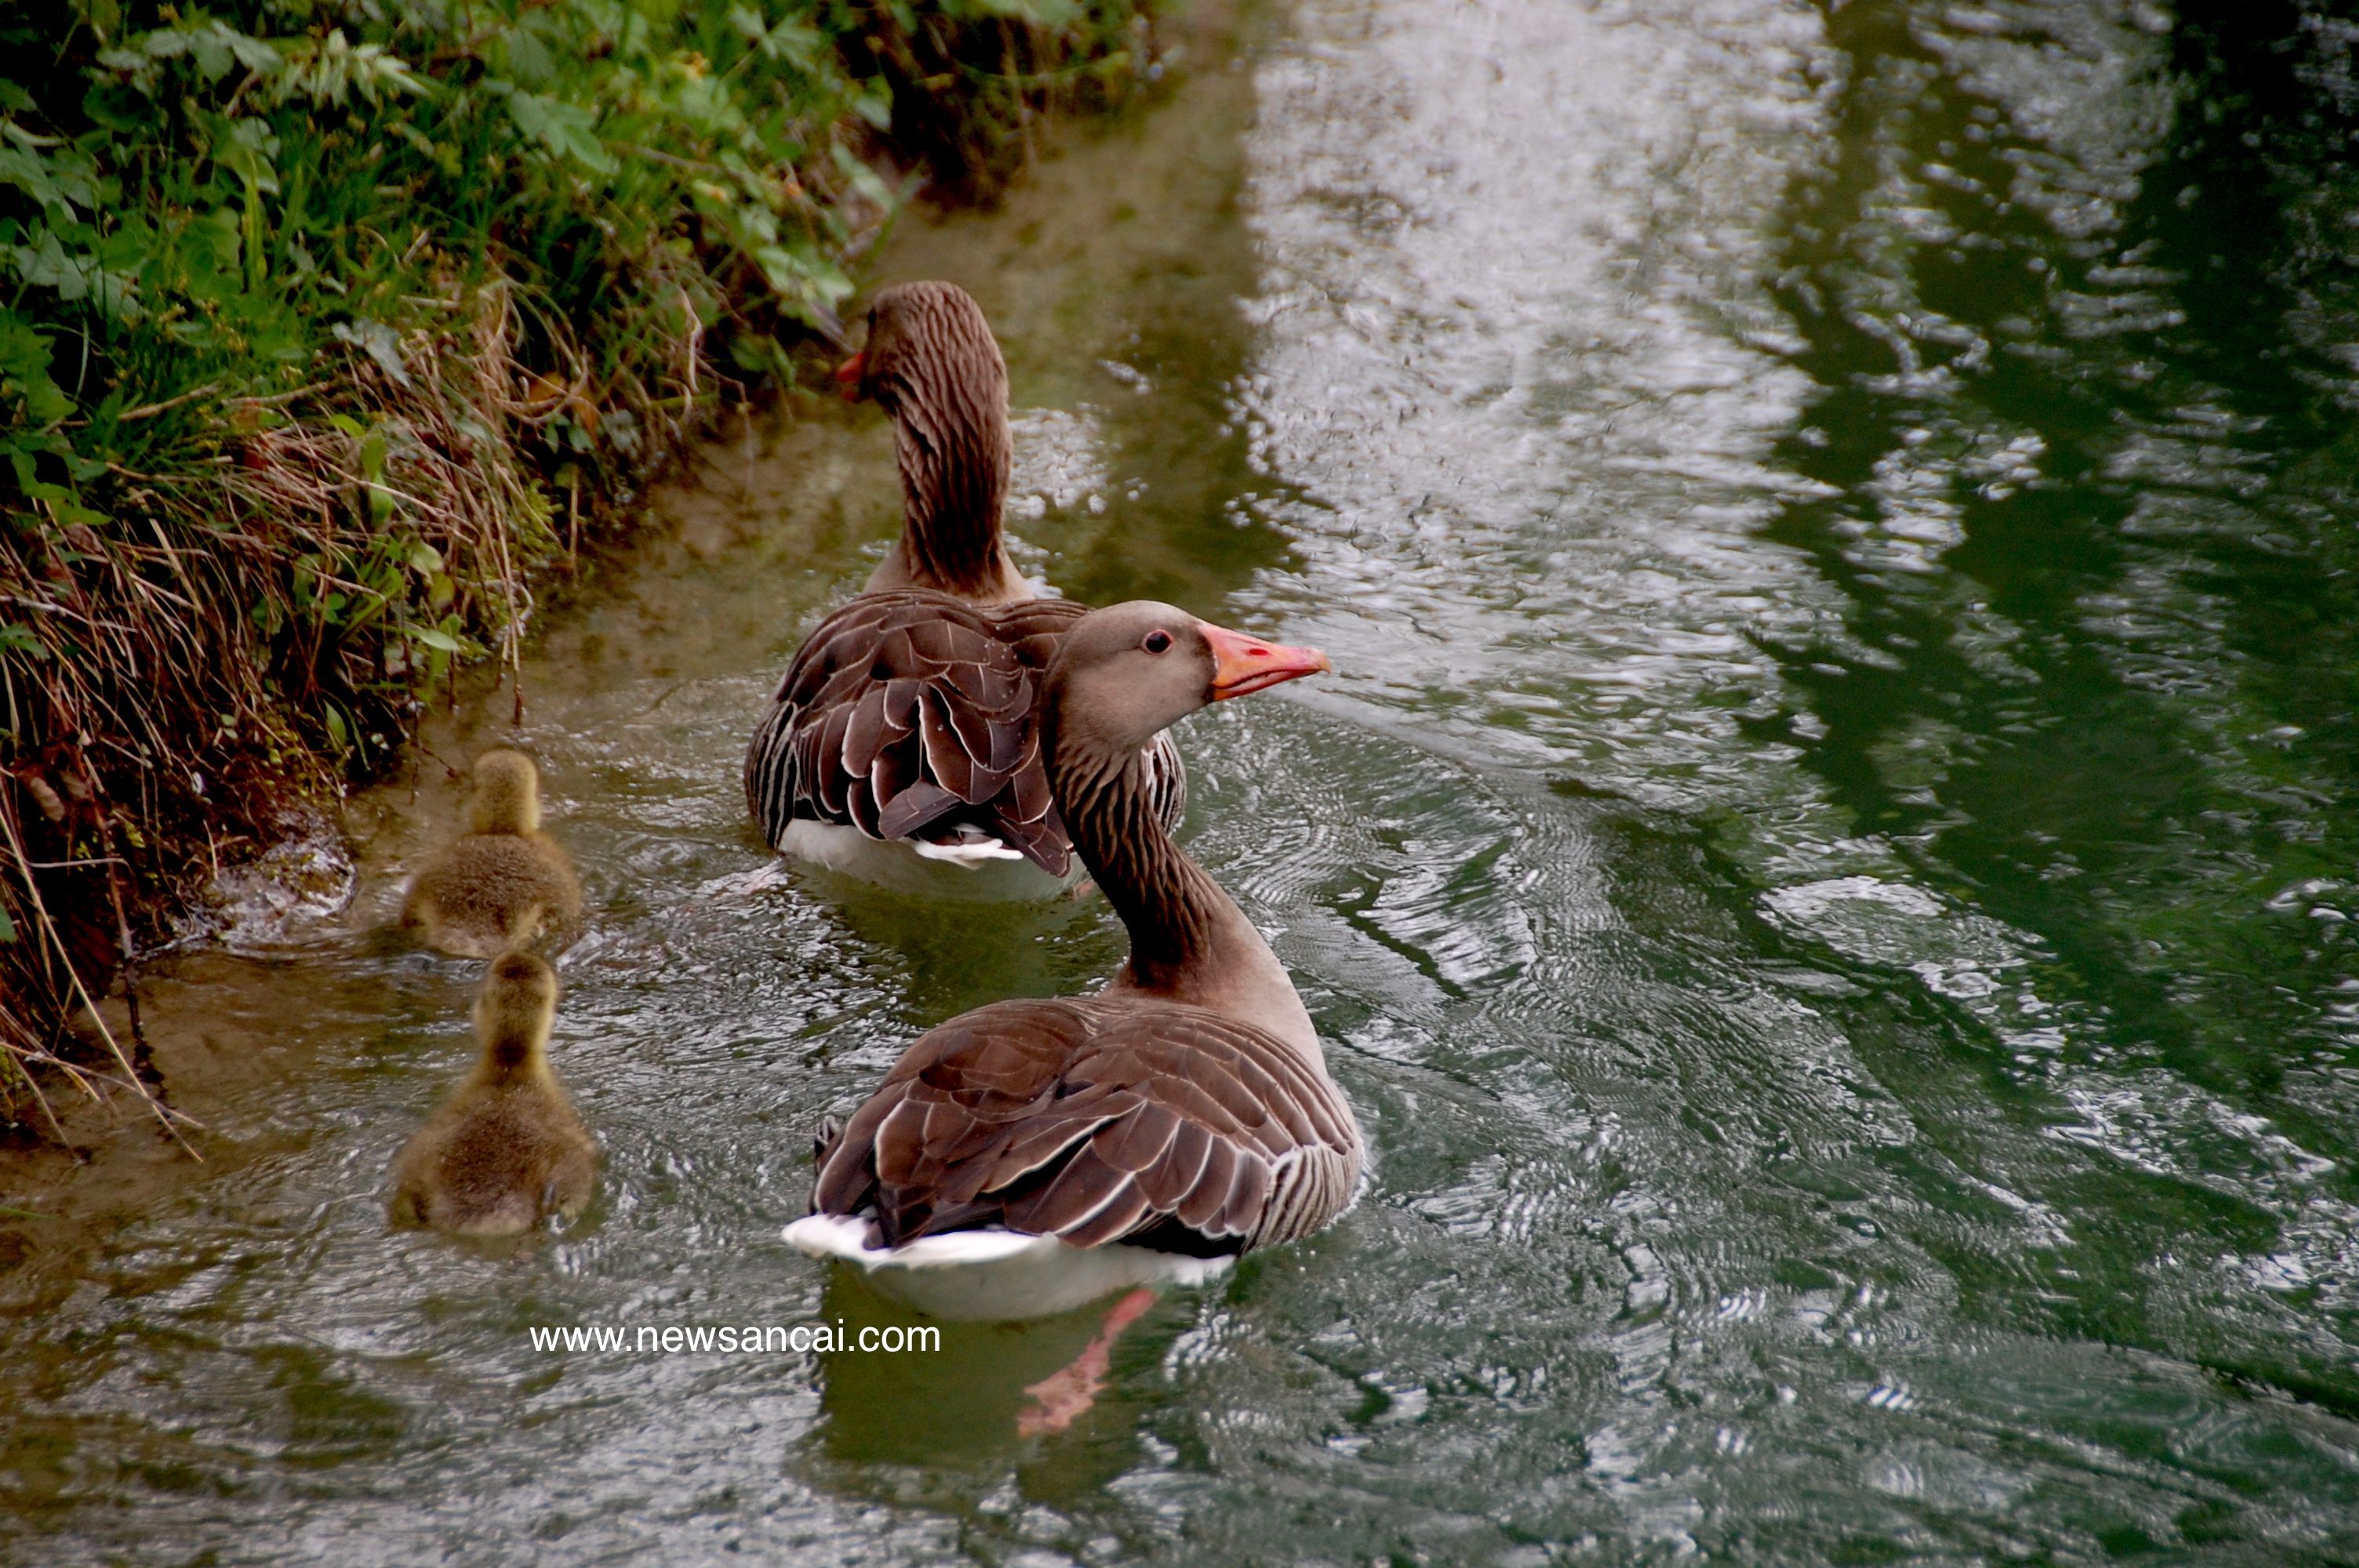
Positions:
{"x": 504, "y": 883}
{"x": 506, "y": 1150}
{"x": 1033, "y": 1156}
{"x": 907, "y": 729}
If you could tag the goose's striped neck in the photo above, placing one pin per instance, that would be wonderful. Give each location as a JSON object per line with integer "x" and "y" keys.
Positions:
{"x": 1189, "y": 940}
{"x": 955, "y": 456}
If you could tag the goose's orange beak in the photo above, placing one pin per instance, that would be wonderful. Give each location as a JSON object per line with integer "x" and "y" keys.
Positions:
{"x": 1243, "y": 663}
{"x": 848, "y": 373}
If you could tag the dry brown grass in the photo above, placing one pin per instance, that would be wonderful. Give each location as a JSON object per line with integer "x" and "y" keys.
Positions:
{"x": 195, "y": 661}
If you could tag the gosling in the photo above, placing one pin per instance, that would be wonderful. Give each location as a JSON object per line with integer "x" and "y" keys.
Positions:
{"x": 505, "y": 883}
{"x": 506, "y": 1150}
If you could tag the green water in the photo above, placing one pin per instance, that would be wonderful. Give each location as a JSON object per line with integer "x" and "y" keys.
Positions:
{"x": 1825, "y": 864}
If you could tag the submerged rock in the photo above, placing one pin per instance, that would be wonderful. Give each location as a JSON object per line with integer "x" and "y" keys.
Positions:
{"x": 282, "y": 896}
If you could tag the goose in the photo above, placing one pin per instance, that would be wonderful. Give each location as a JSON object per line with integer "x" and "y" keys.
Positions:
{"x": 1032, "y": 1156}
{"x": 904, "y": 739}
{"x": 506, "y": 1149}
{"x": 505, "y": 883}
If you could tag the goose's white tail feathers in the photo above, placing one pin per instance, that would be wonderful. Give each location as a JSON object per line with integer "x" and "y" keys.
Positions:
{"x": 982, "y": 867}
{"x": 987, "y": 1275}
{"x": 976, "y": 850}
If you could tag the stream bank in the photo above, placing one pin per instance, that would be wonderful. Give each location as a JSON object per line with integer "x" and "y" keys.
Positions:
{"x": 787, "y": 506}
{"x": 336, "y": 331}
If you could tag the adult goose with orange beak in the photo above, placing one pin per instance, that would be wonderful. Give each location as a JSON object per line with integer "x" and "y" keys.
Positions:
{"x": 903, "y": 744}
{"x": 1033, "y": 1156}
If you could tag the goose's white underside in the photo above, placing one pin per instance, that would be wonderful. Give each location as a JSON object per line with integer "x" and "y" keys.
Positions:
{"x": 980, "y": 867}
{"x": 976, "y": 1276}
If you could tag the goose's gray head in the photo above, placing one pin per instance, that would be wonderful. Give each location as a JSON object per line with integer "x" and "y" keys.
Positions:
{"x": 1130, "y": 670}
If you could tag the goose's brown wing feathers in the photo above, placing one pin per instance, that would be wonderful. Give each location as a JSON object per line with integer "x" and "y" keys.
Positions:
{"x": 1096, "y": 1120}
{"x": 907, "y": 709}
{"x": 1035, "y": 628}
{"x": 903, "y": 710}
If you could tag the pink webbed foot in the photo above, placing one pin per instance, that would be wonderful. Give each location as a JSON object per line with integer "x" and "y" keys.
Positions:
{"x": 1062, "y": 1398}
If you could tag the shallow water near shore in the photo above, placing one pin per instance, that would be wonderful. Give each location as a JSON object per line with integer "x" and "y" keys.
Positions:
{"x": 1825, "y": 865}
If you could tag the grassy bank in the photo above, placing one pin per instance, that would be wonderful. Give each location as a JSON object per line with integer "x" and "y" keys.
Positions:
{"x": 325, "y": 327}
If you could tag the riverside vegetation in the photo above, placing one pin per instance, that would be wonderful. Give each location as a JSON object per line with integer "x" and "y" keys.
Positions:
{"x": 326, "y": 327}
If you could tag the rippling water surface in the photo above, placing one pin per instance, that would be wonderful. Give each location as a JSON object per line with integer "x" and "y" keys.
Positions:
{"x": 1826, "y": 865}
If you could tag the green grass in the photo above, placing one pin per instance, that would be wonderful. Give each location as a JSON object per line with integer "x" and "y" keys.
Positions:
{"x": 325, "y": 327}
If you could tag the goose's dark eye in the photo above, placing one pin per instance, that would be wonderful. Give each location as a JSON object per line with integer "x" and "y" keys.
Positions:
{"x": 1156, "y": 642}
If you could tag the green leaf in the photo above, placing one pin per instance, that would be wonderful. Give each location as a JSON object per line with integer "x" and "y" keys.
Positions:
{"x": 378, "y": 341}
{"x": 524, "y": 54}
{"x": 564, "y": 130}
{"x": 329, "y": 71}
{"x": 30, "y": 172}
{"x": 25, "y": 371}
{"x": 63, "y": 502}
{"x": 864, "y": 180}
{"x": 214, "y": 241}
{"x": 874, "y": 105}
{"x": 1039, "y": 13}
{"x": 247, "y": 148}
{"x": 371, "y": 455}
